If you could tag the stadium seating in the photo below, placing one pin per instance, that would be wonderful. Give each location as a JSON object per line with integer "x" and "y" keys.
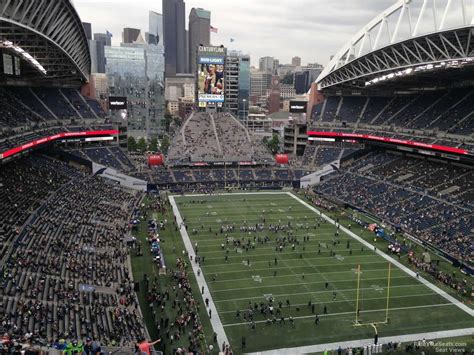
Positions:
{"x": 215, "y": 138}
{"x": 428, "y": 199}
{"x": 65, "y": 274}
{"x": 23, "y": 106}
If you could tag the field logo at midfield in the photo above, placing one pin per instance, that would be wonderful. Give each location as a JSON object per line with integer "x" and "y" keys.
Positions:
{"x": 339, "y": 257}
{"x": 257, "y": 278}
{"x": 377, "y": 288}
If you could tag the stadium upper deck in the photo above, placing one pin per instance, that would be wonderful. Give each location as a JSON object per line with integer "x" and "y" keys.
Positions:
{"x": 46, "y": 42}
{"x": 406, "y": 43}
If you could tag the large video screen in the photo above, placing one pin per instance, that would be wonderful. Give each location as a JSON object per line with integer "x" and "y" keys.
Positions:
{"x": 210, "y": 79}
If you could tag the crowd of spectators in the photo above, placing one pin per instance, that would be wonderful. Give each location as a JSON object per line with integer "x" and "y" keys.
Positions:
{"x": 65, "y": 272}
{"x": 216, "y": 137}
{"x": 109, "y": 156}
{"x": 430, "y": 200}
{"x": 456, "y": 282}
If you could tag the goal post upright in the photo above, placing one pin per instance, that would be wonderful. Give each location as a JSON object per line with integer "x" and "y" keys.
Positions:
{"x": 388, "y": 291}
{"x": 356, "y": 322}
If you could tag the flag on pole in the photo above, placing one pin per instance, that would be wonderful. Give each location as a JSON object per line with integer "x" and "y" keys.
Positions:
{"x": 232, "y": 40}
{"x": 213, "y": 29}
{"x": 108, "y": 34}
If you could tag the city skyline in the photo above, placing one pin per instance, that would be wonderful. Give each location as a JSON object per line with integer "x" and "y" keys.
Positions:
{"x": 282, "y": 30}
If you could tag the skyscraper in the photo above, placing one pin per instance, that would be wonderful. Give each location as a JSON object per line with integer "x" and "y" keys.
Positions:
{"x": 174, "y": 37}
{"x": 199, "y": 33}
{"x": 87, "y": 29}
{"x": 101, "y": 40}
{"x": 266, "y": 64}
{"x": 296, "y": 61}
{"x": 237, "y": 83}
{"x": 155, "y": 26}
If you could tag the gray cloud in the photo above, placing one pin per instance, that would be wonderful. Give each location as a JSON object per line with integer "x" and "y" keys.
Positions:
{"x": 311, "y": 29}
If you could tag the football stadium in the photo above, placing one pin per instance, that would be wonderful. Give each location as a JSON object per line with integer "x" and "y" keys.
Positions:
{"x": 134, "y": 221}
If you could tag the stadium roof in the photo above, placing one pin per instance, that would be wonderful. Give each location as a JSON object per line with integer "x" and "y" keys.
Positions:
{"x": 410, "y": 38}
{"x": 48, "y": 38}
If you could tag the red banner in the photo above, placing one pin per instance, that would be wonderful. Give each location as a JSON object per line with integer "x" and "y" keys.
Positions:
{"x": 38, "y": 142}
{"x": 440, "y": 148}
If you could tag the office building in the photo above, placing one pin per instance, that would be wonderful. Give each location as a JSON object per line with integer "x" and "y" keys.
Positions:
{"x": 244, "y": 86}
{"x": 231, "y": 93}
{"x": 266, "y": 64}
{"x": 181, "y": 85}
{"x": 174, "y": 37}
{"x": 136, "y": 71}
{"x": 199, "y": 34}
{"x": 130, "y": 35}
{"x": 287, "y": 91}
{"x": 296, "y": 61}
{"x": 259, "y": 84}
{"x": 237, "y": 83}
{"x": 155, "y": 27}
{"x": 101, "y": 41}
{"x": 306, "y": 76}
{"x": 301, "y": 82}
{"x": 87, "y": 29}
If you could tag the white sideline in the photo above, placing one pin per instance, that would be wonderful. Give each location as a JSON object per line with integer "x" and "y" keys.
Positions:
{"x": 201, "y": 281}
{"x": 425, "y": 282}
{"x": 219, "y": 328}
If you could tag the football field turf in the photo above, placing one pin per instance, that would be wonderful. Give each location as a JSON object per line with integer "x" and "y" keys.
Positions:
{"x": 320, "y": 270}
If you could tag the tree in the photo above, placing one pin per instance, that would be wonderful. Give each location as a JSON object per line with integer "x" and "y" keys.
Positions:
{"x": 141, "y": 145}
{"x": 153, "y": 146}
{"x": 165, "y": 145}
{"x": 132, "y": 144}
{"x": 274, "y": 144}
{"x": 288, "y": 79}
{"x": 168, "y": 120}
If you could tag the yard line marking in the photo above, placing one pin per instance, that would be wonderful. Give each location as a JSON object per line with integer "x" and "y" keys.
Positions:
{"x": 313, "y": 292}
{"x": 365, "y": 299}
{"x": 295, "y": 253}
{"x": 299, "y": 283}
{"x": 344, "y": 313}
{"x": 319, "y": 257}
{"x": 309, "y": 273}
{"x": 215, "y": 318}
{"x": 422, "y": 280}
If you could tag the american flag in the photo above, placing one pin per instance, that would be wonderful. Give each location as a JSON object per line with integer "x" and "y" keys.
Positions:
{"x": 213, "y": 29}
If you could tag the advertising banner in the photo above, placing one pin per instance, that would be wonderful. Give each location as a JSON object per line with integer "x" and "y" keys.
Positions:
{"x": 298, "y": 106}
{"x": 117, "y": 103}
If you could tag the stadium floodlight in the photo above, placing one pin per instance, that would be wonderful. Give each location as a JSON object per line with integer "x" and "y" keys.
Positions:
{"x": 24, "y": 54}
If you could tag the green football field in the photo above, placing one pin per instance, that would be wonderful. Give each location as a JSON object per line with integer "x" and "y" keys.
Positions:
{"x": 320, "y": 270}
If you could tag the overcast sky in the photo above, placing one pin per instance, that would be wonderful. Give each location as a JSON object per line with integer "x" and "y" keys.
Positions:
{"x": 310, "y": 29}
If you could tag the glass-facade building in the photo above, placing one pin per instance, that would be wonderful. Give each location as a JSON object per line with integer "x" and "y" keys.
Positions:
{"x": 136, "y": 71}
{"x": 244, "y": 86}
